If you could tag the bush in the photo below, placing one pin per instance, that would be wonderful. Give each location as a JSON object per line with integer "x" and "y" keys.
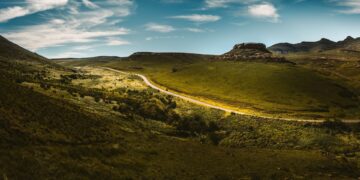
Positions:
{"x": 97, "y": 99}
{"x": 174, "y": 70}
{"x": 44, "y": 86}
{"x": 19, "y": 81}
{"x": 336, "y": 125}
{"x": 214, "y": 138}
{"x": 196, "y": 125}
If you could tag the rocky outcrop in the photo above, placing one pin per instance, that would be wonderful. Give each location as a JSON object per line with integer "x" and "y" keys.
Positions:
{"x": 254, "y": 46}
{"x": 251, "y": 52}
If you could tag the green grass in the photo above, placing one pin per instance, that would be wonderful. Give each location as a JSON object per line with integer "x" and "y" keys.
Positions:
{"x": 47, "y": 135}
{"x": 277, "y": 89}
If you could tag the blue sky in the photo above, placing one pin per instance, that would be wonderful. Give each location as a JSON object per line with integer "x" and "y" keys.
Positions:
{"x": 84, "y": 28}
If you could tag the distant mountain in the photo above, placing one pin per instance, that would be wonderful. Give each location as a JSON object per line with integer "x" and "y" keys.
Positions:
{"x": 167, "y": 57}
{"x": 349, "y": 44}
{"x": 12, "y": 51}
{"x": 103, "y": 58}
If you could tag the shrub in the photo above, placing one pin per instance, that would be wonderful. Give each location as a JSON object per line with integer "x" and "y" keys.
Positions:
{"x": 19, "y": 81}
{"x": 97, "y": 99}
{"x": 172, "y": 105}
{"x": 191, "y": 125}
{"x": 214, "y": 138}
{"x": 174, "y": 70}
{"x": 336, "y": 125}
{"x": 44, "y": 86}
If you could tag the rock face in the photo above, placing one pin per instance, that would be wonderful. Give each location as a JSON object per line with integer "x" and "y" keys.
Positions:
{"x": 251, "y": 52}
{"x": 255, "y": 46}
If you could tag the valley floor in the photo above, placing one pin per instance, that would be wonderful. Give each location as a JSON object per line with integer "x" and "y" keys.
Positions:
{"x": 100, "y": 124}
{"x": 219, "y": 106}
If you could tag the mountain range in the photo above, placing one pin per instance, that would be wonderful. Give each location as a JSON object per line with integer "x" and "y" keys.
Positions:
{"x": 349, "y": 44}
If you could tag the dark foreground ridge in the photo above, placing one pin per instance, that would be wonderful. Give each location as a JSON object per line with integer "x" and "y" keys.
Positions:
{"x": 9, "y": 50}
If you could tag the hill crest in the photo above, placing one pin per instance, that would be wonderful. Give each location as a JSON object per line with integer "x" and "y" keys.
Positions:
{"x": 10, "y": 50}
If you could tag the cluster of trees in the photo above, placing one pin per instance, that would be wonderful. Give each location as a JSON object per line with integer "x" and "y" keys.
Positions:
{"x": 155, "y": 106}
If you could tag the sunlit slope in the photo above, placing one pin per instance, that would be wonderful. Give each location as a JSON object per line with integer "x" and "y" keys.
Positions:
{"x": 271, "y": 88}
{"x": 267, "y": 87}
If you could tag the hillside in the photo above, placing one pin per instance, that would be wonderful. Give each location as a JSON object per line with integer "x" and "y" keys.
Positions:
{"x": 348, "y": 44}
{"x": 335, "y": 60}
{"x": 98, "y": 58}
{"x": 275, "y": 89}
{"x": 167, "y": 57}
{"x": 9, "y": 50}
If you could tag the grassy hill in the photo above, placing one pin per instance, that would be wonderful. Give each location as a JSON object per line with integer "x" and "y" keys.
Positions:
{"x": 270, "y": 88}
{"x": 104, "y": 58}
{"x": 9, "y": 50}
{"x": 335, "y": 60}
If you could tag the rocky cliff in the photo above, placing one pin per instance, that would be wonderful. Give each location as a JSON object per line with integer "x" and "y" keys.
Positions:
{"x": 251, "y": 52}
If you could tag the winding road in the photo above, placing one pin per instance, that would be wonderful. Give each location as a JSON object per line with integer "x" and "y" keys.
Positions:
{"x": 201, "y": 103}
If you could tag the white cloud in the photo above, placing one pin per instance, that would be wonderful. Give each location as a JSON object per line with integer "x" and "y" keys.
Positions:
{"x": 31, "y": 7}
{"x": 74, "y": 25}
{"x": 12, "y": 12}
{"x": 117, "y": 42}
{"x": 198, "y": 18}
{"x": 82, "y": 48}
{"x": 70, "y": 54}
{"x": 352, "y": 6}
{"x": 264, "y": 10}
{"x": 163, "y": 37}
{"x": 159, "y": 28}
{"x": 52, "y": 34}
{"x": 42, "y": 5}
{"x": 225, "y": 3}
{"x": 121, "y": 2}
{"x": 90, "y": 4}
{"x": 196, "y": 30}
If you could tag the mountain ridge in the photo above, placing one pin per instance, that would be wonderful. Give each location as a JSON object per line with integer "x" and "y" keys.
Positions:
{"x": 348, "y": 44}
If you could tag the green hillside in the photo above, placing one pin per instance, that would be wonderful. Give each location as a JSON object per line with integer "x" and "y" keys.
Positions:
{"x": 271, "y": 88}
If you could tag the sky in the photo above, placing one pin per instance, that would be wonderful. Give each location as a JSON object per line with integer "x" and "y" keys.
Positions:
{"x": 87, "y": 28}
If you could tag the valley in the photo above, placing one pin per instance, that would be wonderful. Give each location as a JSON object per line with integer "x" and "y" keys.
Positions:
{"x": 275, "y": 90}
{"x": 180, "y": 89}
{"x": 79, "y": 119}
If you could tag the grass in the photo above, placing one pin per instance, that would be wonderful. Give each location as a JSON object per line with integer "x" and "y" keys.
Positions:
{"x": 274, "y": 89}
{"x": 337, "y": 65}
{"x": 53, "y": 132}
